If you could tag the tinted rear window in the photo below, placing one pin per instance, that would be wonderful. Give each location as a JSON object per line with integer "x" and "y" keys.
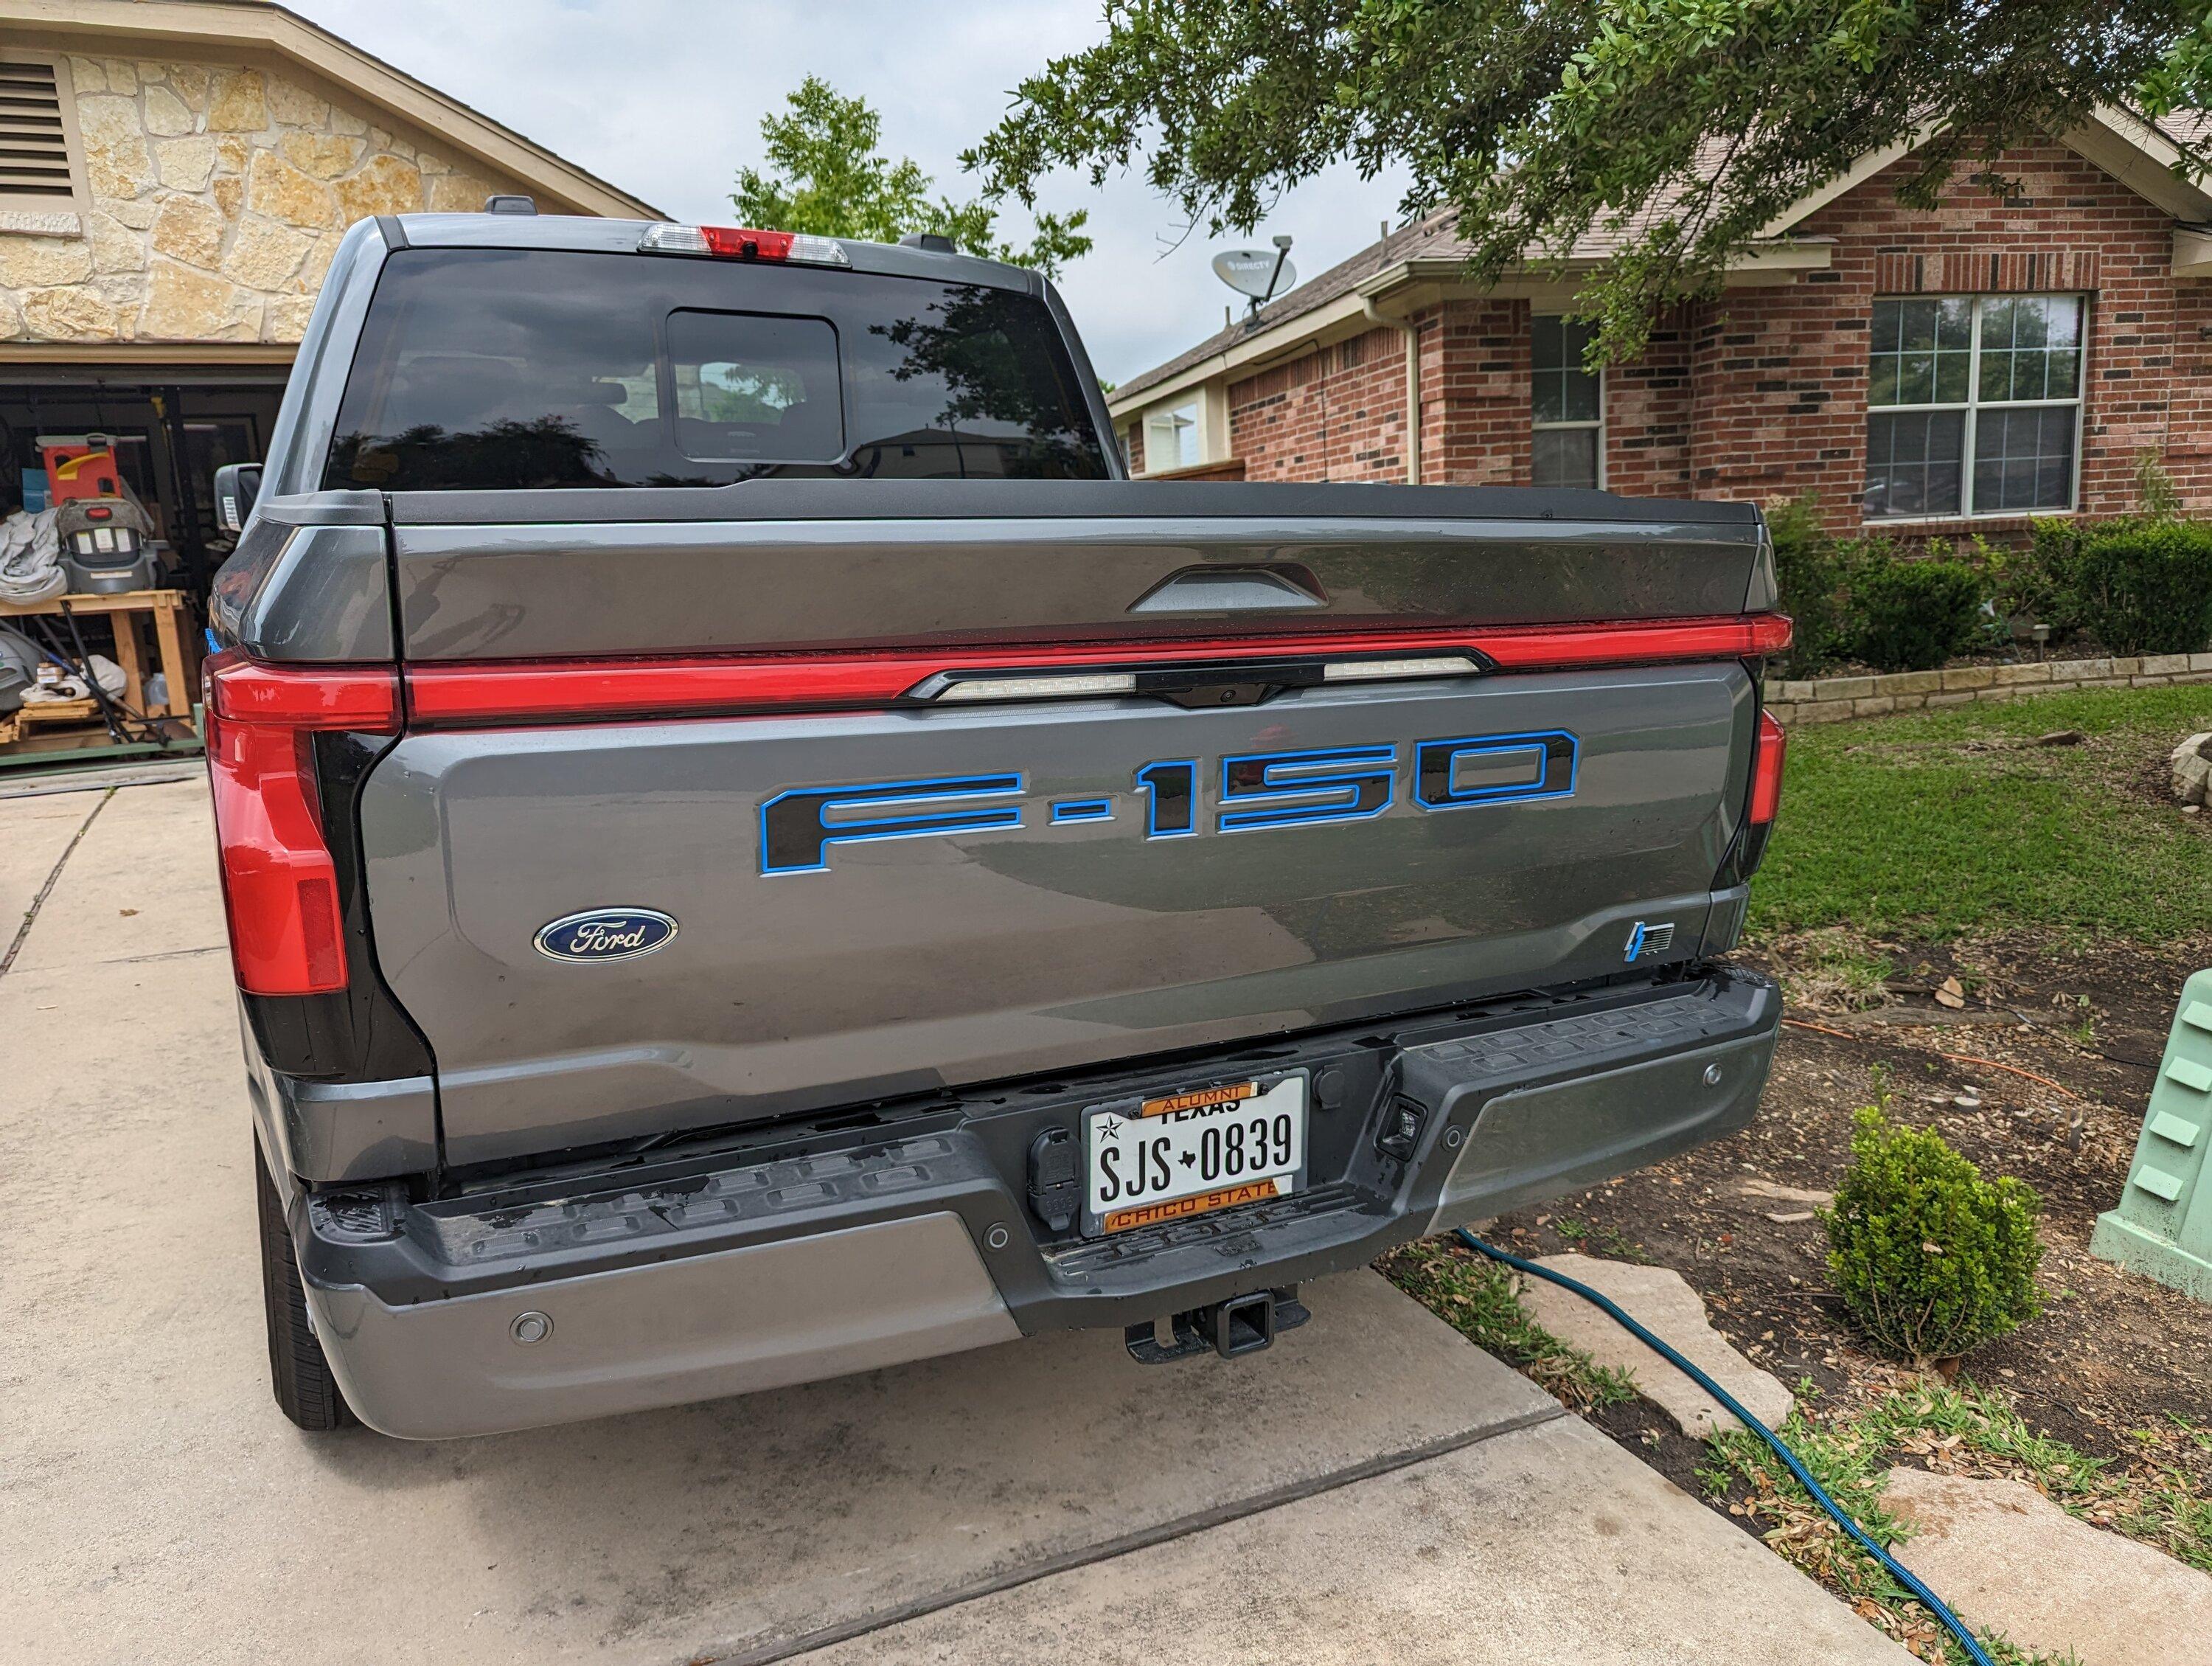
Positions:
{"x": 489, "y": 369}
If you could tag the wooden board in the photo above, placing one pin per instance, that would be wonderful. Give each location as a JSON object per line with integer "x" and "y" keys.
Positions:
{"x": 57, "y": 714}
{"x": 128, "y": 601}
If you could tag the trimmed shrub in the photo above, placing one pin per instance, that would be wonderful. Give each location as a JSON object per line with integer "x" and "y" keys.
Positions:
{"x": 1812, "y": 574}
{"x": 1914, "y": 614}
{"x": 2139, "y": 586}
{"x": 1931, "y": 1259}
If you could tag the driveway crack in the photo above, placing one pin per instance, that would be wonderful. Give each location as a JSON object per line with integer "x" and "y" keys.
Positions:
{"x": 789, "y": 1648}
{"x": 31, "y": 914}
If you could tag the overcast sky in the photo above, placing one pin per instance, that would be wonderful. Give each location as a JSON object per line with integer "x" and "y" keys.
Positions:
{"x": 664, "y": 98}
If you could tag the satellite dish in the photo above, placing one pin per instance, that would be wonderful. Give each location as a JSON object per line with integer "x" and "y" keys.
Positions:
{"x": 1262, "y": 274}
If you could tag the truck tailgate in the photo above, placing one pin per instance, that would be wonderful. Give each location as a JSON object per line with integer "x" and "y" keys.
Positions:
{"x": 1061, "y": 903}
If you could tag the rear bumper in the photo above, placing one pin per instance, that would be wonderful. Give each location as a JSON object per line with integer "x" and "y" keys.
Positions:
{"x": 666, "y": 1281}
{"x": 728, "y": 1322}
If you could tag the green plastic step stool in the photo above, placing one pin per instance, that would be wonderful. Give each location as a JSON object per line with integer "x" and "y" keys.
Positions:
{"x": 2163, "y": 1227}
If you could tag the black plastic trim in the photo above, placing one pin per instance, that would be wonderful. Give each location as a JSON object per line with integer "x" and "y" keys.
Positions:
{"x": 360, "y": 1033}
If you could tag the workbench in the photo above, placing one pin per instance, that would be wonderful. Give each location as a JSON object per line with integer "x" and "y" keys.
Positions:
{"x": 176, "y": 645}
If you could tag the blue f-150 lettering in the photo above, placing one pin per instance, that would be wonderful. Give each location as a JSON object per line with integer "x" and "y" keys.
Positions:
{"x": 1259, "y": 790}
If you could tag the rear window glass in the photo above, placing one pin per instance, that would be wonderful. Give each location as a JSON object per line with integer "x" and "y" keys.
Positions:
{"x": 520, "y": 369}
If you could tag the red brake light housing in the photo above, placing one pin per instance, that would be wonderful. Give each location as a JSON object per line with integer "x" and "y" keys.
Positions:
{"x": 738, "y": 243}
{"x": 279, "y": 880}
{"x": 744, "y": 243}
{"x": 1770, "y": 749}
{"x": 1766, "y": 770}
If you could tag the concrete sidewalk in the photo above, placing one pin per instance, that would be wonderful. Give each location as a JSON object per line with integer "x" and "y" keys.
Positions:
{"x": 1373, "y": 1488}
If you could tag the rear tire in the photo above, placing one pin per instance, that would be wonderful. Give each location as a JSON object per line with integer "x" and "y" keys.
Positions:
{"x": 299, "y": 1372}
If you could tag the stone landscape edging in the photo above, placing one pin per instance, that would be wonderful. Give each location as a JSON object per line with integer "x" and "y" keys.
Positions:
{"x": 1833, "y": 699}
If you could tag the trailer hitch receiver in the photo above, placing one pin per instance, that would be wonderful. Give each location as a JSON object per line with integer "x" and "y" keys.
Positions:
{"x": 1242, "y": 1324}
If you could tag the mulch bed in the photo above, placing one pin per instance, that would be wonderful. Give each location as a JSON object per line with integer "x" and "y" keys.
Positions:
{"x": 2115, "y": 1366}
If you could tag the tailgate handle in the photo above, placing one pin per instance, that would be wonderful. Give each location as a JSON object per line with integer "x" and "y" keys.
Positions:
{"x": 1234, "y": 590}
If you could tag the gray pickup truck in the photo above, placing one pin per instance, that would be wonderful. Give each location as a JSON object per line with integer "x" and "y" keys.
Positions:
{"x": 752, "y": 852}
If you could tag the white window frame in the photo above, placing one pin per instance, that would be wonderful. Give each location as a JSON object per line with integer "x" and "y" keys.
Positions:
{"x": 1973, "y": 405}
{"x": 1535, "y": 427}
{"x": 1163, "y": 427}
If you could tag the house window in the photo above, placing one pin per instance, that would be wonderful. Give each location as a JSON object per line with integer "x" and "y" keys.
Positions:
{"x": 1171, "y": 439}
{"x": 1568, "y": 405}
{"x": 1973, "y": 405}
{"x": 40, "y": 165}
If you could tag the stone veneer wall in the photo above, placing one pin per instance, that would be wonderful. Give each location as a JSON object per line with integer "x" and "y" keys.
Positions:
{"x": 1833, "y": 699}
{"x": 217, "y": 194}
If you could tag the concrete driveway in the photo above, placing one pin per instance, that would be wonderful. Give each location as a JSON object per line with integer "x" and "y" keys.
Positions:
{"x": 1372, "y": 1489}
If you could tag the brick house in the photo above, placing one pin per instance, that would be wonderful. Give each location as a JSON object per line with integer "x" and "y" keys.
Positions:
{"x": 1952, "y": 370}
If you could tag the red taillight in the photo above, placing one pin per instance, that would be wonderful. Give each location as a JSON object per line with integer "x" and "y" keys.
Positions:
{"x": 1769, "y": 746}
{"x": 1766, "y": 760}
{"x": 279, "y": 880}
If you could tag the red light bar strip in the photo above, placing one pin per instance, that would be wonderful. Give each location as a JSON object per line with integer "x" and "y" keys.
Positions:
{"x": 526, "y": 691}
{"x": 1559, "y": 648}
{"x": 304, "y": 697}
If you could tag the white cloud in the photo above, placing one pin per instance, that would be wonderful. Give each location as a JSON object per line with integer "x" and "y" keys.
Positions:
{"x": 664, "y": 98}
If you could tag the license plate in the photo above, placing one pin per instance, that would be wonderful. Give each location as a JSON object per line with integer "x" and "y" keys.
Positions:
{"x": 1191, "y": 1153}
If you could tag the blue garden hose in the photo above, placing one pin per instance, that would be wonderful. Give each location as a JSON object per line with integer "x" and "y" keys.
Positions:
{"x": 1897, "y": 1569}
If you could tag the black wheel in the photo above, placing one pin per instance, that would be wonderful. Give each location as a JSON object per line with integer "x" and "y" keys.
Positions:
{"x": 298, "y": 1371}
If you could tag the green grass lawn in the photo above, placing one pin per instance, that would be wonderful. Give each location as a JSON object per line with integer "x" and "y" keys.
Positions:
{"x": 1933, "y": 823}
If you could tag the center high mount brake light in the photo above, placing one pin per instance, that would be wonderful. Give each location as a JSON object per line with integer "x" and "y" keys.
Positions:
{"x": 741, "y": 243}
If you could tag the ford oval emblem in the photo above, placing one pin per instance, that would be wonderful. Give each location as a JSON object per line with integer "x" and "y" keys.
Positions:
{"x": 605, "y": 934}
